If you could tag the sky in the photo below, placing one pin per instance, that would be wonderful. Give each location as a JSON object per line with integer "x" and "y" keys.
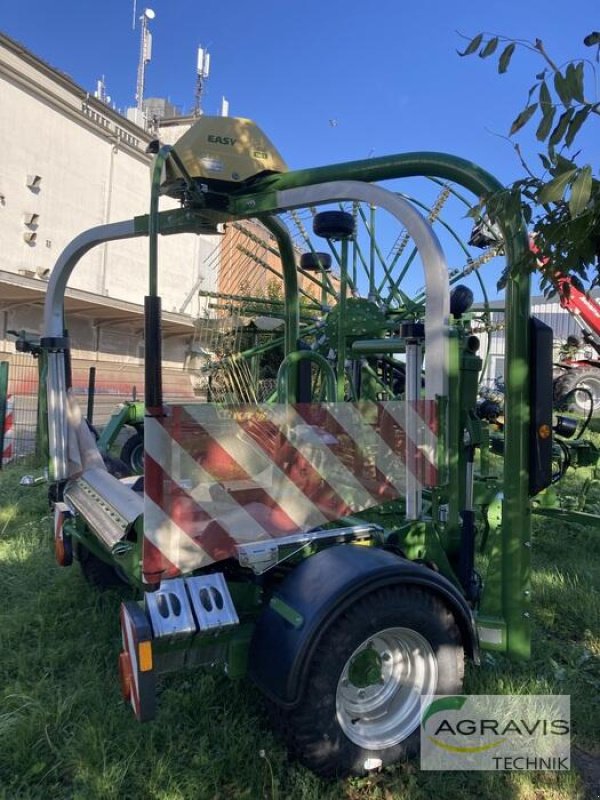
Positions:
{"x": 327, "y": 80}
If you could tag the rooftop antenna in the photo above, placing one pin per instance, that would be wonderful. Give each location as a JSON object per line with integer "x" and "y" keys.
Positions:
{"x": 145, "y": 56}
{"x": 100, "y": 92}
{"x": 202, "y": 70}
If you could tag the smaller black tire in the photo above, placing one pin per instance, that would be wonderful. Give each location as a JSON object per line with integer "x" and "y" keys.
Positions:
{"x": 132, "y": 453}
{"x": 96, "y": 572}
{"x": 314, "y": 262}
{"x": 461, "y": 300}
{"x": 334, "y": 225}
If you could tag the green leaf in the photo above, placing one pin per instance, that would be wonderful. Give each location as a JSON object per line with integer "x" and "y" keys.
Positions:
{"x": 564, "y": 164}
{"x": 561, "y": 128}
{"x": 562, "y": 89}
{"x": 553, "y": 191}
{"x": 490, "y": 48}
{"x": 545, "y": 161}
{"x": 545, "y": 125}
{"x": 574, "y": 77}
{"x": 505, "y": 57}
{"x": 592, "y": 38}
{"x": 531, "y": 92}
{"x": 576, "y": 123}
{"x": 473, "y": 45}
{"x": 580, "y": 192}
{"x": 523, "y": 118}
{"x": 544, "y": 98}
{"x": 580, "y": 82}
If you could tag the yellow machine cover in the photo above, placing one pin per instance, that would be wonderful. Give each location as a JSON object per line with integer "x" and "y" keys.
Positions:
{"x": 225, "y": 149}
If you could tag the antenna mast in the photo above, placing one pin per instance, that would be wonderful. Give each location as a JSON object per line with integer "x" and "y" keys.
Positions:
{"x": 145, "y": 56}
{"x": 202, "y": 70}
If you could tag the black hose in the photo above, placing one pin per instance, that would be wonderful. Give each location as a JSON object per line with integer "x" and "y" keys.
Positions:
{"x": 590, "y": 414}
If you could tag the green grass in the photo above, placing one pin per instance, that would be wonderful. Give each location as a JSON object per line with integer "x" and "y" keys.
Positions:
{"x": 64, "y": 732}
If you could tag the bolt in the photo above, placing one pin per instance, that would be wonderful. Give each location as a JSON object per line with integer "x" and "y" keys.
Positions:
{"x": 361, "y": 693}
{"x": 386, "y": 656}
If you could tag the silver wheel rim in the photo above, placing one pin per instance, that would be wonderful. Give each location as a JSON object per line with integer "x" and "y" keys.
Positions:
{"x": 582, "y": 399}
{"x": 380, "y": 711}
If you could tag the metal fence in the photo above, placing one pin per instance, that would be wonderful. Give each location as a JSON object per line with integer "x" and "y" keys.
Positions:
{"x": 20, "y": 408}
{"x": 114, "y": 383}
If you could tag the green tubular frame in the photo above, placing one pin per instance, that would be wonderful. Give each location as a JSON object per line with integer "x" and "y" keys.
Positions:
{"x": 287, "y": 383}
{"x": 508, "y": 597}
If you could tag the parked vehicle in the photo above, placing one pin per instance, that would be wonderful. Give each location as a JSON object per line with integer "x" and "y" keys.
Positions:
{"x": 322, "y": 545}
{"x": 577, "y": 380}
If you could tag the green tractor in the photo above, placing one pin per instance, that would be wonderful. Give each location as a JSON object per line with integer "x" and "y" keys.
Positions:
{"x": 323, "y": 543}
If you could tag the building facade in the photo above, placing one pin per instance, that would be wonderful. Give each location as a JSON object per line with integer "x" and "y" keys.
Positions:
{"x": 71, "y": 162}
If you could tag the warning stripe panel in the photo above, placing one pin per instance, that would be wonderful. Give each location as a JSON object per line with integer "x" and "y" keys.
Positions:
{"x": 373, "y": 462}
{"x": 8, "y": 447}
{"x": 216, "y": 476}
{"x": 272, "y": 483}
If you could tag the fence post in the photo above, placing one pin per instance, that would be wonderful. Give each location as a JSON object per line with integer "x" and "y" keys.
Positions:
{"x": 91, "y": 395}
{"x": 3, "y": 405}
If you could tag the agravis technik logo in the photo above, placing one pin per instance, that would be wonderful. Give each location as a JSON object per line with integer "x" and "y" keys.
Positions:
{"x": 496, "y": 732}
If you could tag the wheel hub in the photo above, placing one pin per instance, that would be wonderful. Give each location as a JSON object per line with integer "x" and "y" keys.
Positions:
{"x": 378, "y": 698}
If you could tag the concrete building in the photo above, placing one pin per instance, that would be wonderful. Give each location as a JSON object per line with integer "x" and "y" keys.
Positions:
{"x": 71, "y": 162}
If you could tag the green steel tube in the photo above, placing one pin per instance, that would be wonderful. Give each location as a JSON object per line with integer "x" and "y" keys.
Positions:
{"x": 371, "y": 372}
{"x": 516, "y": 517}
{"x": 341, "y": 343}
{"x": 372, "y": 252}
{"x": 378, "y": 346}
{"x": 153, "y": 221}
{"x": 290, "y": 281}
{"x": 284, "y": 381}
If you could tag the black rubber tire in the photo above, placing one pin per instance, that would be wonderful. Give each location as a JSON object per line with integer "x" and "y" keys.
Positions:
{"x": 566, "y": 396}
{"x": 132, "y": 453}
{"x": 98, "y": 573}
{"x": 312, "y": 729}
{"x": 334, "y": 225}
{"x": 315, "y": 262}
{"x": 461, "y": 300}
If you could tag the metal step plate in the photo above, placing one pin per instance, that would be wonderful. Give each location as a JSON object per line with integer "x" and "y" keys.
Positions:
{"x": 211, "y": 601}
{"x": 170, "y": 610}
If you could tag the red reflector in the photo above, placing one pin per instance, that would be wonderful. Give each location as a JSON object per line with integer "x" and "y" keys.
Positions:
{"x": 125, "y": 675}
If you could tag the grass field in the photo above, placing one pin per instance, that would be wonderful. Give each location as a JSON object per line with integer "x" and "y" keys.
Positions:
{"x": 64, "y": 732}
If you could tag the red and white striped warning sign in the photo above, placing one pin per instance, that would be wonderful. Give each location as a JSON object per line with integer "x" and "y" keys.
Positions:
{"x": 8, "y": 447}
{"x": 217, "y": 477}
